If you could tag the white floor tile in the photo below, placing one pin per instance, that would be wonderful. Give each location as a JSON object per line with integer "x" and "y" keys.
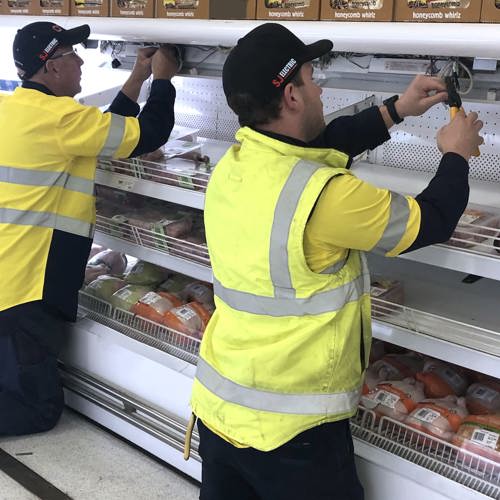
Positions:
{"x": 10, "y": 490}
{"x": 87, "y": 462}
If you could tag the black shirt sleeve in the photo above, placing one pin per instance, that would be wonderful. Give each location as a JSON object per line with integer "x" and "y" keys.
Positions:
{"x": 156, "y": 120}
{"x": 354, "y": 134}
{"x": 443, "y": 201}
{"x": 124, "y": 106}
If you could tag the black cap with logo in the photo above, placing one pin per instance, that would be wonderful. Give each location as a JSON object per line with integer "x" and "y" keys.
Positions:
{"x": 266, "y": 59}
{"x": 36, "y": 43}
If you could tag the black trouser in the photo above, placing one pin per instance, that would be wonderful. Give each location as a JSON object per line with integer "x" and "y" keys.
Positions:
{"x": 318, "y": 464}
{"x": 31, "y": 396}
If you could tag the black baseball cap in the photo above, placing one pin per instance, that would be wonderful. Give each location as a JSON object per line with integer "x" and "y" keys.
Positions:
{"x": 266, "y": 59}
{"x": 36, "y": 43}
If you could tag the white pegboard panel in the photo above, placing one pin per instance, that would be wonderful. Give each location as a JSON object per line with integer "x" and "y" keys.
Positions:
{"x": 413, "y": 143}
{"x": 201, "y": 104}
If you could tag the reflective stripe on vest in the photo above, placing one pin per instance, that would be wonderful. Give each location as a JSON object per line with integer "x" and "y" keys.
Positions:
{"x": 298, "y": 404}
{"x": 323, "y": 302}
{"x": 30, "y": 177}
{"x": 46, "y": 219}
{"x": 396, "y": 227}
{"x": 115, "y": 136}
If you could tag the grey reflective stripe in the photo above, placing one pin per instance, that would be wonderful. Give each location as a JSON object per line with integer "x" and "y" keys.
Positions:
{"x": 46, "y": 219}
{"x": 283, "y": 216}
{"x": 396, "y": 227}
{"x": 46, "y": 178}
{"x": 335, "y": 268}
{"x": 115, "y": 136}
{"x": 366, "y": 273}
{"x": 320, "y": 303}
{"x": 298, "y": 404}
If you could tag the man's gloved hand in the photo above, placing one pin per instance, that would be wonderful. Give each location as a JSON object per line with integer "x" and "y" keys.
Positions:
{"x": 415, "y": 100}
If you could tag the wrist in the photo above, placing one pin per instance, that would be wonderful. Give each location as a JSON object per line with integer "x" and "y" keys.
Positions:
{"x": 391, "y": 103}
{"x": 400, "y": 109}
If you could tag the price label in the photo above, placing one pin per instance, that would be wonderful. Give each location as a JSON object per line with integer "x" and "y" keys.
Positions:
{"x": 125, "y": 184}
{"x": 386, "y": 398}
{"x": 485, "y": 438}
{"x": 426, "y": 415}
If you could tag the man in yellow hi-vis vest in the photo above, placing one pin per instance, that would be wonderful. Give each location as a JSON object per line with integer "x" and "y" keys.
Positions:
{"x": 283, "y": 357}
{"x": 48, "y": 155}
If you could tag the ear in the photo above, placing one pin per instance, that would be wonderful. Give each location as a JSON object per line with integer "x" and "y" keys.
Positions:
{"x": 292, "y": 97}
{"x": 53, "y": 68}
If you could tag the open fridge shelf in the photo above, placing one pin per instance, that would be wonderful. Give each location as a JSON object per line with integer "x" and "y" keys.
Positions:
{"x": 143, "y": 330}
{"x": 178, "y": 255}
{"x": 462, "y": 466}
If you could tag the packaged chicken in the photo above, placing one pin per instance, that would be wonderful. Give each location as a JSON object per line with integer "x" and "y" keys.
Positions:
{"x": 480, "y": 434}
{"x": 394, "y": 398}
{"x": 475, "y": 226}
{"x": 201, "y": 292}
{"x": 153, "y": 306}
{"x": 145, "y": 273}
{"x": 191, "y": 319}
{"x": 441, "y": 379}
{"x": 176, "y": 284}
{"x": 392, "y": 367}
{"x": 126, "y": 297}
{"x": 95, "y": 250}
{"x": 484, "y": 397}
{"x": 385, "y": 290}
{"x": 115, "y": 261}
{"x": 104, "y": 287}
{"x": 440, "y": 418}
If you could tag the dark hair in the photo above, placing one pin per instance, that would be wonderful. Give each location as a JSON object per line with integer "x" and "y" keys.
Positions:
{"x": 253, "y": 112}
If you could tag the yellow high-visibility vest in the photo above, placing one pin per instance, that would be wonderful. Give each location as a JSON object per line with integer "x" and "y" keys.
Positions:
{"x": 48, "y": 154}
{"x": 286, "y": 347}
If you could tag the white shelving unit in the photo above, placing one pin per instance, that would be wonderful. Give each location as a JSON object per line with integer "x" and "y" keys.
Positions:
{"x": 135, "y": 377}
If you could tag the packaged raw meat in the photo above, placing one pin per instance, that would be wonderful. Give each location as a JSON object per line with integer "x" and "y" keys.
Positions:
{"x": 475, "y": 226}
{"x": 95, "y": 250}
{"x": 126, "y": 297}
{"x": 441, "y": 379}
{"x": 145, "y": 273}
{"x": 116, "y": 262}
{"x": 93, "y": 272}
{"x": 104, "y": 287}
{"x": 201, "y": 292}
{"x": 394, "y": 398}
{"x": 480, "y": 434}
{"x": 153, "y": 306}
{"x": 176, "y": 284}
{"x": 392, "y": 367}
{"x": 484, "y": 397}
{"x": 154, "y": 224}
{"x": 385, "y": 290}
{"x": 440, "y": 418}
{"x": 191, "y": 319}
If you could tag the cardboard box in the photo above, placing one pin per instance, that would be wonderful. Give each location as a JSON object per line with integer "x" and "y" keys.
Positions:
{"x": 132, "y": 8}
{"x": 206, "y": 9}
{"x": 288, "y": 10}
{"x": 438, "y": 11}
{"x": 36, "y": 7}
{"x": 490, "y": 13}
{"x": 89, "y": 8}
{"x": 357, "y": 10}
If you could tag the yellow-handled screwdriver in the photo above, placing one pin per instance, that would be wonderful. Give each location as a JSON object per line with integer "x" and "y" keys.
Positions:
{"x": 455, "y": 102}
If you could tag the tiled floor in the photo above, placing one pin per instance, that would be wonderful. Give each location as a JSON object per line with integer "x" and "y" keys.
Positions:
{"x": 88, "y": 463}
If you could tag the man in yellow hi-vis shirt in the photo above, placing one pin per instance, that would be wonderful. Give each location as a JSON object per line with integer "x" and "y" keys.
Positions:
{"x": 283, "y": 357}
{"x": 48, "y": 153}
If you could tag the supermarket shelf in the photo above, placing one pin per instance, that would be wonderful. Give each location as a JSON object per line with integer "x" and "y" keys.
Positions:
{"x": 158, "y": 257}
{"x": 143, "y": 330}
{"x": 186, "y": 197}
{"x": 467, "y": 261}
{"x": 467, "y": 40}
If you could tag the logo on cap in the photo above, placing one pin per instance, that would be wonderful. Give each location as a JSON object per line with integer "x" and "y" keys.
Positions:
{"x": 287, "y": 68}
{"x": 47, "y": 50}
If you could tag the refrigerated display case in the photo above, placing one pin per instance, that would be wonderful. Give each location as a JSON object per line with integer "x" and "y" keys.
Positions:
{"x": 134, "y": 376}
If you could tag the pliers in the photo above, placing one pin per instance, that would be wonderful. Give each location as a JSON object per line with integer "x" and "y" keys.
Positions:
{"x": 455, "y": 101}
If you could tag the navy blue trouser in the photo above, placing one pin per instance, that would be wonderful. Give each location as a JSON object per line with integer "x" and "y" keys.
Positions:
{"x": 318, "y": 464}
{"x": 31, "y": 396}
